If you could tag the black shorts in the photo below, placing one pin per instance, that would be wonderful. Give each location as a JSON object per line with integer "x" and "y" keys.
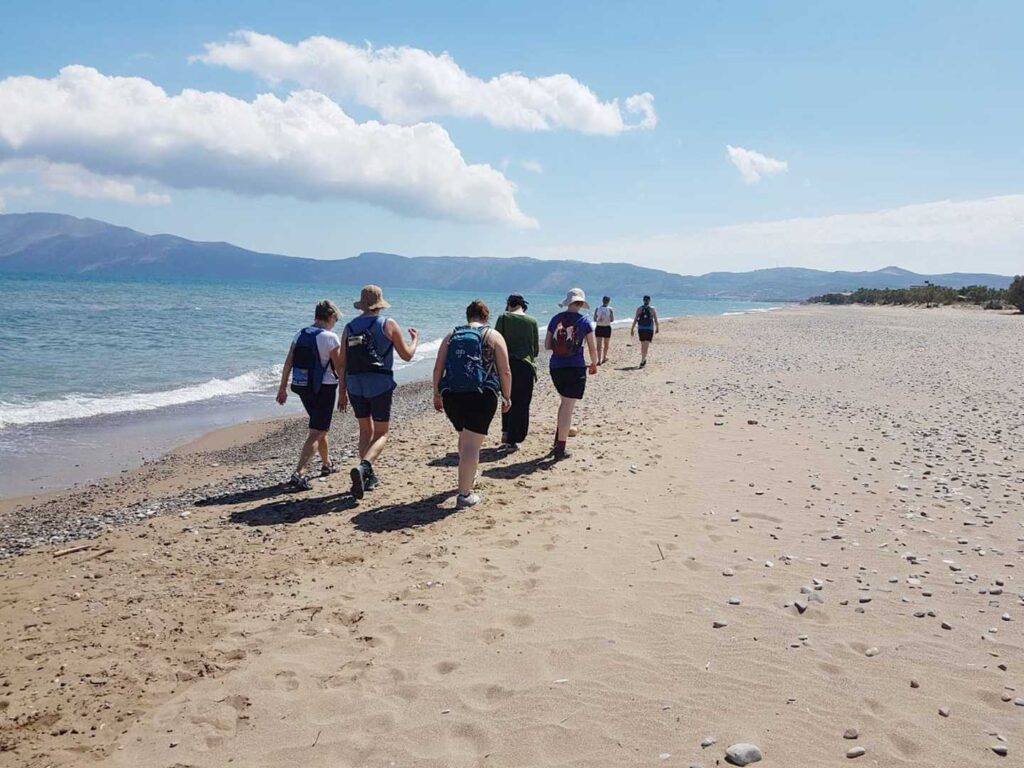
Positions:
{"x": 645, "y": 334}
{"x": 319, "y": 405}
{"x": 603, "y": 331}
{"x": 378, "y": 408}
{"x": 570, "y": 382}
{"x": 470, "y": 410}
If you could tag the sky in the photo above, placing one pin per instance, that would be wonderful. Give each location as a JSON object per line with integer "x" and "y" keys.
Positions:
{"x": 687, "y": 136}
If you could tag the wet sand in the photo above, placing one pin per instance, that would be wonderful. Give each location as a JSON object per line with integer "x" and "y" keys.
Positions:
{"x": 788, "y": 528}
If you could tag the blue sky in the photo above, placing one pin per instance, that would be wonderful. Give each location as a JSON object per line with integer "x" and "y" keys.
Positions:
{"x": 898, "y": 125}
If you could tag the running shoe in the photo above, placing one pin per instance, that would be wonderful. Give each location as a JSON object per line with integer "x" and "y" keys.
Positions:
{"x": 371, "y": 481}
{"x": 358, "y": 482}
{"x": 467, "y": 500}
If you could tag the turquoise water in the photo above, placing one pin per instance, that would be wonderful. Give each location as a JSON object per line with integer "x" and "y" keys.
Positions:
{"x": 78, "y": 348}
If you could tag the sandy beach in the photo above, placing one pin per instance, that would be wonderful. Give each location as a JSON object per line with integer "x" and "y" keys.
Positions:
{"x": 801, "y": 530}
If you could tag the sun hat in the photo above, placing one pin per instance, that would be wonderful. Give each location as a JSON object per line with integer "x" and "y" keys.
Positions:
{"x": 371, "y": 297}
{"x": 575, "y": 295}
{"x": 517, "y": 300}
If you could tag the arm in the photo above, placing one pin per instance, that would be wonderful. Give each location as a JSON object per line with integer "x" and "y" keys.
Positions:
{"x": 657, "y": 326}
{"x": 497, "y": 343}
{"x": 338, "y": 358}
{"x": 548, "y": 341}
{"x": 592, "y": 349}
{"x": 394, "y": 333}
{"x": 442, "y": 355}
{"x": 611, "y": 314}
{"x": 636, "y": 317}
{"x": 286, "y": 371}
{"x": 536, "y": 342}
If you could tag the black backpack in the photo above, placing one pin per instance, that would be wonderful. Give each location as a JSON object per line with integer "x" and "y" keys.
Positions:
{"x": 361, "y": 353}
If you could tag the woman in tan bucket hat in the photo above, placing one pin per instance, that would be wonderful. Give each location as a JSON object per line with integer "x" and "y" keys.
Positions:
{"x": 366, "y": 378}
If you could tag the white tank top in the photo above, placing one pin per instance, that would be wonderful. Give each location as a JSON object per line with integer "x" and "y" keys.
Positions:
{"x": 603, "y": 315}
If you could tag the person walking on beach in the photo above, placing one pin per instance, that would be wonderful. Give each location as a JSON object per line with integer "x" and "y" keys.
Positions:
{"x": 522, "y": 338}
{"x": 567, "y": 333}
{"x": 604, "y": 316}
{"x": 470, "y": 374}
{"x": 313, "y": 361}
{"x": 368, "y": 346}
{"x": 645, "y": 322}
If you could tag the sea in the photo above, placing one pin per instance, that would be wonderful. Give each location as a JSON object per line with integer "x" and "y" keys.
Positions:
{"x": 98, "y": 375}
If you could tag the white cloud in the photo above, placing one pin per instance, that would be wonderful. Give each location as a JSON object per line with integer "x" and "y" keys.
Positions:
{"x": 936, "y": 237}
{"x": 77, "y": 181}
{"x": 10, "y": 192}
{"x": 304, "y": 146}
{"x": 533, "y": 166}
{"x": 753, "y": 166}
{"x": 406, "y": 85}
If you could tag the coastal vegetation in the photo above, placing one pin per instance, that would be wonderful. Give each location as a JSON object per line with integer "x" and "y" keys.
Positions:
{"x": 930, "y": 294}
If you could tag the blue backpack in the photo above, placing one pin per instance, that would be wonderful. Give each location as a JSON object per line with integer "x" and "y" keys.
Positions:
{"x": 468, "y": 366}
{"x": 306, "y": 357}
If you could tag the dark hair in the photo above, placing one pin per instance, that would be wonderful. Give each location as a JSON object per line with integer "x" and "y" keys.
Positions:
{"x": 606, "y": 299}
{"x": 647, "y": 298}
{"x": 477, "y": 310}
{"x": 327, "y": 309}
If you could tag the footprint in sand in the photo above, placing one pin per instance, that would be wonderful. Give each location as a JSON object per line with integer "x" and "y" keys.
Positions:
{"x": 446, "y": 667}
{"x": 493, "y": 635}
{"x": 521, "y": 620}
{"x": 286, "y": 681}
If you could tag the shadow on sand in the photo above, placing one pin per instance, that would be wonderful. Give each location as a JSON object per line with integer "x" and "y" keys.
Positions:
{"x": 487, "y": 455}
{"x": 397, "y": 517}
{"x": 528, "y": 467}
{"x": 293, "y": 510}
{"x": 245, "y": 497}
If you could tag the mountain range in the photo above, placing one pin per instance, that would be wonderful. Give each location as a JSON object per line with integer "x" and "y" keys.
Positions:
{"x": 56, "y": 244}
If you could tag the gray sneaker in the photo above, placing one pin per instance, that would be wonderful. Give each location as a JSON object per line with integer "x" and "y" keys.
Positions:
{"x": 467, "y": 500}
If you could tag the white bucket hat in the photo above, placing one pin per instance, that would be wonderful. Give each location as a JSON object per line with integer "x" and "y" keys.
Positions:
{"x": 574, "y": 296}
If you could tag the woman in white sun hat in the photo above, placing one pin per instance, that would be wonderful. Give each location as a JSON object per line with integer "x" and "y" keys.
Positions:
{"x": 567, "y": 334}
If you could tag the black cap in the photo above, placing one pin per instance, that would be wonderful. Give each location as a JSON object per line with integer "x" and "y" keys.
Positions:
{"x": 516, "y": 300}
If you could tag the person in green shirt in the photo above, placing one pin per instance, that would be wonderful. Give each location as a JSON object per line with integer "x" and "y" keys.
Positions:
{"x": 522, "y": 336}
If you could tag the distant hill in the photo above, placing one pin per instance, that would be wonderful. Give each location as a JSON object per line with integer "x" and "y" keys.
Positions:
{"x": 55, "y": 244}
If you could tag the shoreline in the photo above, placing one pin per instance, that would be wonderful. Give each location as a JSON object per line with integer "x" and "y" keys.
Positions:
{"x": 41, "y": 459}
{"x": 762, "y": 537}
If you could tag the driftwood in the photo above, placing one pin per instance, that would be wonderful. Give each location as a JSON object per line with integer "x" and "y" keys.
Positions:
{"x": 70, "y": 550}
{"x": 97, "y": 554}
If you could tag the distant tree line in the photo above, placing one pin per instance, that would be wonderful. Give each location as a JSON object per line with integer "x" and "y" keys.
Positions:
{"x": 933, "y": 295}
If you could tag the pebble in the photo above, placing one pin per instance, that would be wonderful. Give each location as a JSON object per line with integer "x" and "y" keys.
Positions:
{"x": 914, "y": 684}
{"x": 743, "y": 754}
{"x": 944, "y": 711}
{"x": 707, "y": 741}
{"x": 1000, "y": 749}
{"x": 734, "y": 601}
{"x": 851, "y": 733}
{"x": 872, "y": 651}
{"x": 719, "y": 624}
{"x": 853, "y": 752}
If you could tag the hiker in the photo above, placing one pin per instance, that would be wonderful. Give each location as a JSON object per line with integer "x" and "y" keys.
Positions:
{"x": 604, "y": 316}
{"x": 313, "y": 362}
{"x": 368, "y": 344}
{"x": 522, "y": 338}
{"x": 470, "y": 374}
{"x": 645, "y": 321}
{"x": 567, "y": 333}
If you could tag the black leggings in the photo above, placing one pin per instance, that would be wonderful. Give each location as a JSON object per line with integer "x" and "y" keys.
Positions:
{"x": 516, "y": 423}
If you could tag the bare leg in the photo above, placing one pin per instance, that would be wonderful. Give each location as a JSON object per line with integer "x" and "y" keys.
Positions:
{"x": 469, "y": 459}
{"x": 308, "y": 448}
{"x": 644, "y": 346}
{"x": 325, "y": 455}
{"x": 365, "y": 435}
{"x": 377, "y": 440}
{"x": 565, "y": 409}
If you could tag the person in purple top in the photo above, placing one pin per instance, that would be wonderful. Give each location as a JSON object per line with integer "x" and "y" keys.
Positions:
{"x": 567, "y": 334}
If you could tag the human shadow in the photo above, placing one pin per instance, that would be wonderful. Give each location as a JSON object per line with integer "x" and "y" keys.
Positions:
{"x": 293, "y": 510}
{"x": 628, "y": 368}
{"x": 519, "y": 469}
{"x": 487, "y": 455}
{"x": 244, "y": 497}
{"x": 397, "y": 517}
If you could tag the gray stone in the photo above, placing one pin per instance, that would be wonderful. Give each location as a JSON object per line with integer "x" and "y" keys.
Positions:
{"x": 872, "y": 651}
{"x": 851, "y": 733}
{"x": 853, "y": 752}
{"x": 707, "y": 741}
{"x": 743, "y": 754}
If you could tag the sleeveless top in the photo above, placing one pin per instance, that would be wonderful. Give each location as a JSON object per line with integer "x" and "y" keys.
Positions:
{"x": 372, "y": 384}
{"x": 603, "y": 315}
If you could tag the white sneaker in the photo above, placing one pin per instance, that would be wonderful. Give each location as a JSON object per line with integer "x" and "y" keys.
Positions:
{"x": 469, "y": 500}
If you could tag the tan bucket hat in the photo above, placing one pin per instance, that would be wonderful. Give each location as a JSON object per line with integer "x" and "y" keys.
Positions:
{"x": 371, "y": 297}
{"x": 575, "y": 295}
